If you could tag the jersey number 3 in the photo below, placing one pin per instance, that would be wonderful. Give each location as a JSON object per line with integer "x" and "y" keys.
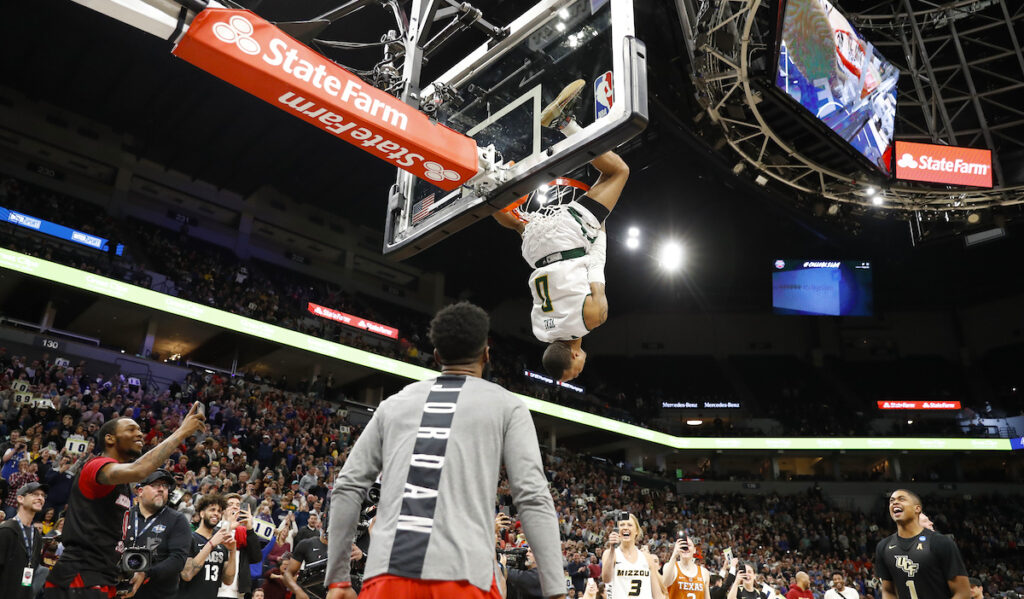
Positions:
{"x": 541, "y": 283}
{"x": 634, "y": 589}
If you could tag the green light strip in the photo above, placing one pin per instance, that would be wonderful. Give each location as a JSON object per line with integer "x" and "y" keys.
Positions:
{"x": 66, "y": 275}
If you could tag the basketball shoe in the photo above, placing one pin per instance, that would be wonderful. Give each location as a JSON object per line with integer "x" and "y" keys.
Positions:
{"x": 559, "y": 113}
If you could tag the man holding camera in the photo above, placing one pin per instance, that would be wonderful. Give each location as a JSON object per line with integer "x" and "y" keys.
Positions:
{"x": 94, "y": 531}
{"x": 211, "y": 560}
{"x": 163, "y": 532}
{"x": 21, "y": 544}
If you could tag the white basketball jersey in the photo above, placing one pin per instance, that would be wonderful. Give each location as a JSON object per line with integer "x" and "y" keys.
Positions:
{"x": 559, "y": 291}
{"x": 631, "y": 579}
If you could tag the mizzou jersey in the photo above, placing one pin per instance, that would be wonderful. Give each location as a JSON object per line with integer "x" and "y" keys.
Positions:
{"x": 631, "y": 579}
{"x": 919, "y": 567}
{"x": 94, "y": 530}
{"x": 687, "y": 587}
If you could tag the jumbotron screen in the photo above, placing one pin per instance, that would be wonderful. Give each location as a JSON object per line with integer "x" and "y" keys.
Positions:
{"x": 832, "y": 71}
{"x": 822, "y": 287}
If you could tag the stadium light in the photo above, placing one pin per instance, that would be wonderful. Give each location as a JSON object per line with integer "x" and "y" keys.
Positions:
{"x": 560, "y": 26}
{"x": 634, "y": 232}
{"x": 877, "y": 200}
{"x": 695, "y": 422}
{"x": 670, "y": 257}
{"x": 633, "y": 243}
{"x": 870, "y": 191}
{"x": 564, "y": 14}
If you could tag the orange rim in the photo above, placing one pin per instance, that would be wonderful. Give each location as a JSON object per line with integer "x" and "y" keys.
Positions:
{"x": 559, "y": 182}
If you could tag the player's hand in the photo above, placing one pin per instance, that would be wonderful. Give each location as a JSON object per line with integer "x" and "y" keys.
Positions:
{"x": 221, "y": 536}
{"x": 501, "y": 521}
{"x": 677, "y": 548}
{"x": 734, "y": 562}
{"x": 348, "y": 593}
{"x": 357, "y": 553}
{"x": 194, "y": 421}
{"x": 613, "y": 538}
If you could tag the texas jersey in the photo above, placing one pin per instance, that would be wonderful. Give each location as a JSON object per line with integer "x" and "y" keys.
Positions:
{"x": 687, "y": 587}
{"x": 631, "y": 579}
{"x": 919, "y": 567}
{"x": 559, "y": 291}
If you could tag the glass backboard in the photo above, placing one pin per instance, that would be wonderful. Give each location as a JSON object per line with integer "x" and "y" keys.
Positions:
{"x": 496, "y": 94}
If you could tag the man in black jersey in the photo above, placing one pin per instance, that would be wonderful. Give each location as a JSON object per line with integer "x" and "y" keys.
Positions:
{"x": 94, "y": 531}
{"x": 916, "y": 563}
{"x": 211, "y": 559}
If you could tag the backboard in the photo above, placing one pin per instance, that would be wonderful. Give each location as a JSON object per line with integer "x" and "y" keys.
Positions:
{"x": 496, "y": 94}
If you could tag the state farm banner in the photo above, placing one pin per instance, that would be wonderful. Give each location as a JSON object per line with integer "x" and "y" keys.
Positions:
{"x": 943, "y": 164}
{"x": 918, "y": 405}
{"x": 250, "y": 53}
{"x": 353, "y": 321}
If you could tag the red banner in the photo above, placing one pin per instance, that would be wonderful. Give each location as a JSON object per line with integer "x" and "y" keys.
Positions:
{"x": 918, "y": 405}
{"x": 943, "y": 164}
{"x": 253, "y": 55}
{"x": 353, "y": 321}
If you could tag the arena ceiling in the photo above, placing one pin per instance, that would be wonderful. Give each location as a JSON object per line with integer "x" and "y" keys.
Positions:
{"x": 62, "y": 54}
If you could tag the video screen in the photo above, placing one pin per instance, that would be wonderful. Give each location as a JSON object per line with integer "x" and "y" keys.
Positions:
{"x": 826, "y": 66}
{"x": 822, "y": 287}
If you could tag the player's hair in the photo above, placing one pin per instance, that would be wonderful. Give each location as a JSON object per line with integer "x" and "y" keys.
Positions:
{"x": 231, "y": 496}
{"x": 913, "y": 495}
{"x": 459, "y": 332}
{"x": 838, "y": 573}
{"x": 557, "y": 358}
{"x": 109, "y": 428}
{"x": 752, "y": 565}
{"x": 714, "y": 579}
{"x": 211, "y": 499}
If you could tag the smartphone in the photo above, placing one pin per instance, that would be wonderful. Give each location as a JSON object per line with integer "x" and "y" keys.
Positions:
{"x": 728, "y": 555}
{"x": 201, "y": 409}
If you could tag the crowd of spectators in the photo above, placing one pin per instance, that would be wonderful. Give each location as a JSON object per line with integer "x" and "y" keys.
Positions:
{"x": 208, "y": 274}
{"x": 279, "y": 450}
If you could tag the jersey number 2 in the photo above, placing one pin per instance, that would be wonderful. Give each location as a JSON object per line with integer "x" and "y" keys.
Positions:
{"x": 541, "y": 283}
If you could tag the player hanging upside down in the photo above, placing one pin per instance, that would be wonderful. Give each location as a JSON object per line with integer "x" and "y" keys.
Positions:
{"x": 567, "y": 249}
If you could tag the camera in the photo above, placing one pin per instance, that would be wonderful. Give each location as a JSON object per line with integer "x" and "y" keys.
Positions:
{"x": 135, "y": 559}
{"x": 515, "y": 558}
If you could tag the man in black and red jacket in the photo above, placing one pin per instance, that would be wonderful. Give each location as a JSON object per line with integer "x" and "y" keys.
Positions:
{"x": 96, "y": 523}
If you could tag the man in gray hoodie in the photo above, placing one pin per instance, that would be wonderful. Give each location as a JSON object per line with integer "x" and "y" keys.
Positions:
{"x": 438, "y": 445}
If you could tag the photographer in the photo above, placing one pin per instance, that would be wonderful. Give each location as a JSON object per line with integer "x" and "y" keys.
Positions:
{"x": 100, "y": 499}
{"x": 163, "y": 531}
{"x": 314, "y": 551}
{"x": 21, "y": 544}
{"x": 523, "y": 579}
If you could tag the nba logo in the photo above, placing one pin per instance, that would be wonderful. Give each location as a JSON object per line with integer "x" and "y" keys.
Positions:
{"x": 604, "y": 96}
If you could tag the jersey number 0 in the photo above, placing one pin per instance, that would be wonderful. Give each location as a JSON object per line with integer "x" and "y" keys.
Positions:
{"x": 541, "y": 283}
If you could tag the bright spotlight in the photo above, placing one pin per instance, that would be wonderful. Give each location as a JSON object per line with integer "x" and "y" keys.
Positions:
{"x": 870, "y": 191}
{"x": 564, "y": 14}
{"x": 634, "y": 231}
{"x": 695, "y": 422}
{"x": 877, "y": 200}
{"x": 544, "y": 188}
{"x": 632, "y": 242}
{"x": 670, "y": 257}
{"x": 560, "y": 26}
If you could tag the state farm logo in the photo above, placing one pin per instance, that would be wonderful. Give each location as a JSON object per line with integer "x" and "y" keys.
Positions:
{"x": 436, "y": 172}
{"x": 907, "y": 161}
{"x": 238, "y": 31}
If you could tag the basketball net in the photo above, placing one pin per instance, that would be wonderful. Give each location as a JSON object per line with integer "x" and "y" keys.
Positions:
{"x": 546, "y": 199}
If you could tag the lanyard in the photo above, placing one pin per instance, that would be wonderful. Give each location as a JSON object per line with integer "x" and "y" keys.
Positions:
{"x": 152, "y": 520}
{"x": 29, "y": 537}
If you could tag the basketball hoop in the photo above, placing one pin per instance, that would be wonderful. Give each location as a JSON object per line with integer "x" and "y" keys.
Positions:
{"x": 546, "y": 198}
